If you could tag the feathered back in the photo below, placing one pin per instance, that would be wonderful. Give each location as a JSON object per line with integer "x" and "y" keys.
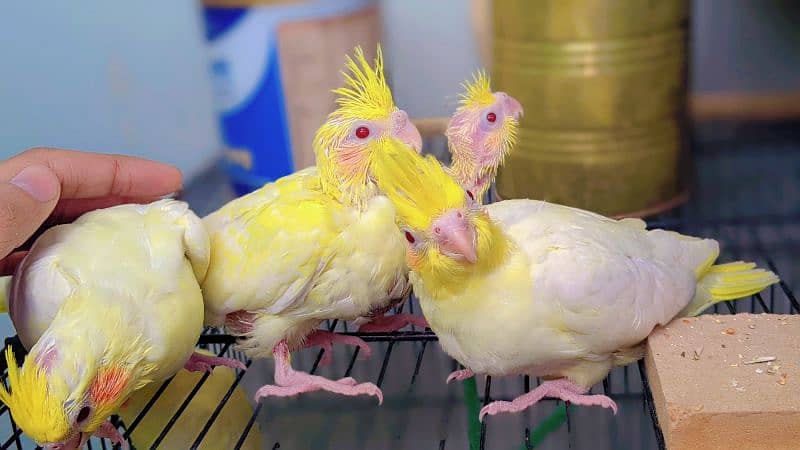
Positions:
{"x": 35, "y": 403}
{"x": 418, "y": 186}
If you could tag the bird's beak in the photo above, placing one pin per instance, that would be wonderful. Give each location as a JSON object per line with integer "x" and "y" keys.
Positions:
{"x": 405, "y": 131}
{"x": 455, "y": 235}
{"x": 512, "y": 106}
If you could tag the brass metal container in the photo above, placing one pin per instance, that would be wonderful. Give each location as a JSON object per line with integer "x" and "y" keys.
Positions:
{"x": 603, "y": 84}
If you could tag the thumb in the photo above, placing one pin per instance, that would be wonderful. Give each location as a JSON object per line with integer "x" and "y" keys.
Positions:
{"x": 26, "y": 200}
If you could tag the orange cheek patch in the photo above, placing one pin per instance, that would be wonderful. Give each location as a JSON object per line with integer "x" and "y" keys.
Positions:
{"x": 350, "y": 159}
{"x": 412, "y": 258}
{"x": 109, "y": 384}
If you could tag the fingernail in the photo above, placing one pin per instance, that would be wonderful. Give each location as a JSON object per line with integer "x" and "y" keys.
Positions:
{"x": 174, "y": 194}
{"x": 38, "y": 181}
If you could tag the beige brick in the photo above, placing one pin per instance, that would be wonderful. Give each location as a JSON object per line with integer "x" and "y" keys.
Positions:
{"x": 709, "y": 392}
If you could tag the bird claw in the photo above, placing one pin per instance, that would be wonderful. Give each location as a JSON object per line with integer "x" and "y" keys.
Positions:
{"x": 562, "y": 389}
{"x": 388, "y": 324}
{"x": 459, "y": 375}
{"x": 299, "y": 383}
{"x": 326, "y": 339}
{"x": 199, "y": 362}
{"x": 108, "y": 431}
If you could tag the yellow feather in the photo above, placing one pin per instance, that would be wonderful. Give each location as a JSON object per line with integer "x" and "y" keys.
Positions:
{"x": 366, "y": 96}
{"x": 421, "y": 190}
{"x": 478, "y": 92}
{"x": 418, "y": 186}
{"x": 34, "y": 402}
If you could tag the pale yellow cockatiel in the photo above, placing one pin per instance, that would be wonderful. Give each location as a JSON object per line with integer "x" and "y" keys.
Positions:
{"x": 105, "y": 305}
{"x": 535, "y": 288}
{"x": 480, "y": 134}
{"x": 318, "y": 244}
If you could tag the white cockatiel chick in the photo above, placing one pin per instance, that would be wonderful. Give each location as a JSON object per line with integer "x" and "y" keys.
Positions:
{"x": 104, "y": 305}
{"x": 525, "y": 287}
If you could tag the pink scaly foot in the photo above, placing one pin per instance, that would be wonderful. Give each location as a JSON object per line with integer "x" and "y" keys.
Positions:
{"x": 388, "y": 324}
{"x": 563, "y": 389}
{"x": 201, "y": 363}
{"x": 459, "y": 375}
{"x": 109, "y": 431}
{"x": 290, "y": 382}
{"x": 326, "y": 339}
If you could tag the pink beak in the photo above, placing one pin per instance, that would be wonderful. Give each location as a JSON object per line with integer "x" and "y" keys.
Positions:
{"x": 404, "y": 130}
{"x": 455, "y": 235}
{"x": 512, "y": 106}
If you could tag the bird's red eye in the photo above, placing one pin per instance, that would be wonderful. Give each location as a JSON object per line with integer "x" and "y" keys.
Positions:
{"x": 491, "y": 117}
{"x": 410, "y": 237}
{"x": 470, "y": 195}
{"x": 362, "y": 132}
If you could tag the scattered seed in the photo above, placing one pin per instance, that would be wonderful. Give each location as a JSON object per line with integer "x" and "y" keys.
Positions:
{"x": 782, "y": 379}
{"x": 759, "y": 371}
{"x": 751, "y": 326}
{"x": 686, "y": 321}
{"x": 729, "y": 331}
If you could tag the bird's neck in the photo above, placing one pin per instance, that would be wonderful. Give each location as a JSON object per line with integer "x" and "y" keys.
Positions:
{"x": 467, "y": 170}
{"x": 350, "y": 186}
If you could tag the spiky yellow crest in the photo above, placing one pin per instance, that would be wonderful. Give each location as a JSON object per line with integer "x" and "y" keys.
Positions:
{"x": 478, "y": 92}
{"x": 418, "y": 186}
{"x": 35, "y": 402}
{"x": 366, "y": 94}
{"x": 365, "y": 97}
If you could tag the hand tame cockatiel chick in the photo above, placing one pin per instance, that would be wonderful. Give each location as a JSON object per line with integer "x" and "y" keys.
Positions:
{"x": 104, "y": 305}
{"x": 525, "y": 287}
{"x": 480, "y": 135}
{"x": 318, "y": 244}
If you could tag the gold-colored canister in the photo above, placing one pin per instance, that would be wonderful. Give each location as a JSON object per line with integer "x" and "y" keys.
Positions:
{"x": 603, "y": 84}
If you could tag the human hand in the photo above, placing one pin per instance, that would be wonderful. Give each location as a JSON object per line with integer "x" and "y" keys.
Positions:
{"x": 44, "y": 186}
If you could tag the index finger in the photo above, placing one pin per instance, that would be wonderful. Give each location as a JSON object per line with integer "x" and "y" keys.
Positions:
{"x": 93, "y": 175}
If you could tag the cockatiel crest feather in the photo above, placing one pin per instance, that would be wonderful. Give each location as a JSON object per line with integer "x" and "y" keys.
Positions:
{"x": 421, "y": 191}
{"x": 365, "y": 119}
{"x": 367, "y": 95}
{"x": 34, "y": 401}
{"x": 477, "y": 92}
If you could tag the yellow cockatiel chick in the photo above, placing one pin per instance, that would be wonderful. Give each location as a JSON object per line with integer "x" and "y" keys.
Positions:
{"x": 528, "y": 287}
{"x": 318, "y": 244}
{"x": 480, "y": 134}
{"x": 105, "y": 305}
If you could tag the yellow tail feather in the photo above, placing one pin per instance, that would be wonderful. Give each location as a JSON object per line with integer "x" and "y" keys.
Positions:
{"x": 728, "y": 281}
{"x": 5, "y": 285}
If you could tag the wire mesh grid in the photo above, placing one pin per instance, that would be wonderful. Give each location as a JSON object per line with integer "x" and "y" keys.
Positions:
{"x": 745, "y": 196}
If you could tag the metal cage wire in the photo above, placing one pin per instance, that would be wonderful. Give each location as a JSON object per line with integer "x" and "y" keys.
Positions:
{"x": 746, "y": 197}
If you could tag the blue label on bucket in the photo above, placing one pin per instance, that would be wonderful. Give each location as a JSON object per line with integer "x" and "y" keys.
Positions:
{"x": 245, "y": 74}
{"x": 248, "y": 93}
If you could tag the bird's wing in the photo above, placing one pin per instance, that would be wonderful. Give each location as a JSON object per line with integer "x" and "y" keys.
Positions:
{"x": 269, "y": 247}
{"x": 604, "y": 280}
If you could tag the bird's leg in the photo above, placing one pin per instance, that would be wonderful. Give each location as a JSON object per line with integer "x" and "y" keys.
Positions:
{"x": 108, "y": 431}
{"x": 199, "y": 362}
{"x": 562, "y": 388}
{"x": 326, "y": 339}
{"x": 459, "y": 375}
{"x": 289, "y": 382}
{"x": 387, "y": 324}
